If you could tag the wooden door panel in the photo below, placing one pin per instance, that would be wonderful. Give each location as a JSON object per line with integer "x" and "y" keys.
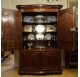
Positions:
{"x": 52, "y": 60}
{"x": 11, "y": 27}
{"x": 65, "y": 23}
{"x": 28, "y": 61}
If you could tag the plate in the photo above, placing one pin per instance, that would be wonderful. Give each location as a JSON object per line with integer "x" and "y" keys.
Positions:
{"x": 51, "y": 18}
{"x": 48, "y": 36}
{"x": 31, "y": 36}
{"x": 50, "y": 28}
{"x": 40, "y": 28}
{"x": 39, "y": 36}
{"x": 28, "y": 28}
{"x": 40, "y": 19}
{"x": 28, "y": 19}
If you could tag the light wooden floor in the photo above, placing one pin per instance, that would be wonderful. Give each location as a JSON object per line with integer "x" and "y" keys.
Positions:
{"x": 8, "y": 70}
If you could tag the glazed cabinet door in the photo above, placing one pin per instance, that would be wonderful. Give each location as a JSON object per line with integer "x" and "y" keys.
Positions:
{"x": 11, "y": 21}
{"x": 65, "y": 23}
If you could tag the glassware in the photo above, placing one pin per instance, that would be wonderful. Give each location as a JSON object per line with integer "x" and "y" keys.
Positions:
{"x": 24, "y": 38}
{"x": 29, "y": 45}
{"x": 49, "y": 44}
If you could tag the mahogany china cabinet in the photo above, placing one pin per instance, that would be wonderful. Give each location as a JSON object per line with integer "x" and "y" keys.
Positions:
{"x": 40, "y": 32}
{"x": 39, "y": 53}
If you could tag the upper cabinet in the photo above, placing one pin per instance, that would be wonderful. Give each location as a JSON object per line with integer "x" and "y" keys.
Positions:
{"x": 58, "y": 26}
{"x": 39, "y": 25}
{"x": 45, "y": 24}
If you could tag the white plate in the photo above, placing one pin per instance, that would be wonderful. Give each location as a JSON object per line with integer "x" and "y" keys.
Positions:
{"x": 39, "y": 36}
{"x": 51, "y": 18}
{"x": 31, "y": 36}
{"x": 48, "y": 36}
{"x": 40, "y": 19}
{"x": 28, "y": 19}
{"x": 40, "y": 28}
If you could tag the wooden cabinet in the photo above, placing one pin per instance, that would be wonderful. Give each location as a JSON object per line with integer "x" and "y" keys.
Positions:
{"x": 40, "y": 61}
{"x": 39, "y": 53}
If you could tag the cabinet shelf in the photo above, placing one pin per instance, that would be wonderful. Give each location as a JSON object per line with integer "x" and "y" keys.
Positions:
{"x": 39, "y": 40}
{"x": 50, "y": 23}
{"x": 39, "y": 13}
{"x": 24, "y": 33}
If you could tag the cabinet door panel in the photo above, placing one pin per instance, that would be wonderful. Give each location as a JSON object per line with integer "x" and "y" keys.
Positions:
{"x": 52, "y": 61}
{"x": 65, "y": 23}
{"x": 28, "y": 61}
{"x": 11, "y": 21}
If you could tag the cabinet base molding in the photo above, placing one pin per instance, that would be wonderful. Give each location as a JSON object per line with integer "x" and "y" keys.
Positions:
{"x": 39, "y": 72}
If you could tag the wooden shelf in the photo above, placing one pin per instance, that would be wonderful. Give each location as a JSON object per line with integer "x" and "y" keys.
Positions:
{"x": 50, "y": 23}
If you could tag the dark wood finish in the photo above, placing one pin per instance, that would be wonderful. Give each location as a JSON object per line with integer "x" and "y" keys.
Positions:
{"x": 73, "y": 55}
{"x": 11, "y": 27}
{"x": 65, "y": 23}
{"x": 40, "y": 61}
{"x": 66, "y": 37}
{"x": 39, "y": 8}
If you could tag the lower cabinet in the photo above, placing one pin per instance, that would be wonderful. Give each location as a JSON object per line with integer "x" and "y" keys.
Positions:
{"x": 40, "y": 61}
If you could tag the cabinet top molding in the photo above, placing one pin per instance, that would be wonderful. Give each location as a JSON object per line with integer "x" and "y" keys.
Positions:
{"x": 39, "y": 8}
